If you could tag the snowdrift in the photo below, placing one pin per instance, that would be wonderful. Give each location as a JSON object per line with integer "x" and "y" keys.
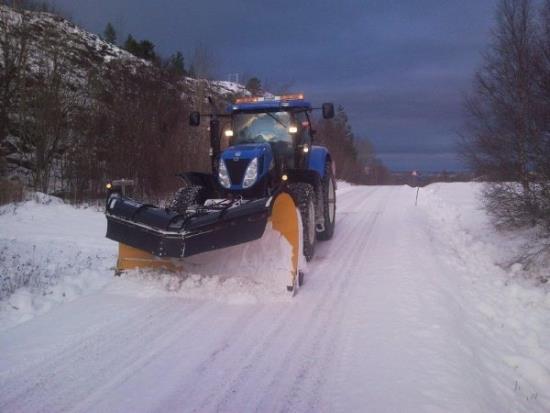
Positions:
{"x": 43, "y": 264}
{"x": 409, "y": 309}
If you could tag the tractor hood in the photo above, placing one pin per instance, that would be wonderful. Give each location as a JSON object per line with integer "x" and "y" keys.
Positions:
{"x": 246, "y": 151}
{"x": 238, "y": 157}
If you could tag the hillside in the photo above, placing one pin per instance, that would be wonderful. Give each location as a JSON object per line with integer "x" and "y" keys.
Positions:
{"x": 78, "y": 51}
{"x": 62, "y": 82}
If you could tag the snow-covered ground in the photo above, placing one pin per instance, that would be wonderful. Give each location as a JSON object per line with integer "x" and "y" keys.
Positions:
{"x": 415, "y": 309}
{"x": 50, "y": 253}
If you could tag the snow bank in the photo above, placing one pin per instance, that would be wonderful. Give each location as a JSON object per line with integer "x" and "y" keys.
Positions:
{"x": 49, "y": 253}
{"x": 507, "y": 313}
{"x": 52, "y": 253}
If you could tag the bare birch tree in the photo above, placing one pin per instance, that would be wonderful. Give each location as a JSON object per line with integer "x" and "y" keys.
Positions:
{"x": 503, "y": 116}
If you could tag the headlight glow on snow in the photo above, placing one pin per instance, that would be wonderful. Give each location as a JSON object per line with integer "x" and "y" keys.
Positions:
{"x": 251, "y": 173}
{"x": 223, "y": 175}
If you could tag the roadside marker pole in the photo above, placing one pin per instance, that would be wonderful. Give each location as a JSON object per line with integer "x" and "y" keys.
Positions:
{"x": 414, "y": 175}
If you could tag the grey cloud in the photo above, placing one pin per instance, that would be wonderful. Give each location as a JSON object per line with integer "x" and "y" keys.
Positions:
{"x": 399, "y": 67}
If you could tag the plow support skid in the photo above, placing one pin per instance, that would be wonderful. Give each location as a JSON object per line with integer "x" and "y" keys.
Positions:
{"x": 156, "y": 238}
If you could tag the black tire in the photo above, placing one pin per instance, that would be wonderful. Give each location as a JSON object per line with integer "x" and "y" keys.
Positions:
{"x": 186, "y": 197}
{"x": 329, "y": 203}
{"x": 304, "y": 197}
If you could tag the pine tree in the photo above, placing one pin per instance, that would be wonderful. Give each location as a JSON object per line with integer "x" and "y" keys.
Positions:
{"x": 131, "y": 45}
{"x": 176, "y": 64}
{"x": 147, "y": 50}
{"x": 144, "y": 49}
{"x": 338, "y": 137}
{"x": 254, "y": 86}
{"x": 109, "y": 34}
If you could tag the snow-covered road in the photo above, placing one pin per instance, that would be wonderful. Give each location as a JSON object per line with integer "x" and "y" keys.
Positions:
{"x": 391, "y": 318}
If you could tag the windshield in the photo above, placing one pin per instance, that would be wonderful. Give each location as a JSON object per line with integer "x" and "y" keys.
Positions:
{"x": 261, "y": 127}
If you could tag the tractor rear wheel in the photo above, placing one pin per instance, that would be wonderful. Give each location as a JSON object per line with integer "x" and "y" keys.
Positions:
{"x": 304, "y": 197}
{"x": 329, "y": 203}
{"x": 187, "y": 197}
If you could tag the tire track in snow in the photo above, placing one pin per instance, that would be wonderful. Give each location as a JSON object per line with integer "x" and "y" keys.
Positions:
{"x": 247, "y": 359}
{"x": 323, "y": 347}
{"x": 315, "y": 321}
{"x": 331, "y": 352}
{"x": 38, "y": 376}
{"x": 173, "y": 336}
{"x": 92, "y": 360}
{"x": 318, "y": 348}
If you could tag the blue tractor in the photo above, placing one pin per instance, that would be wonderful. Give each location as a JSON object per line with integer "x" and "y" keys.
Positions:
{"x": 269, "y": 172}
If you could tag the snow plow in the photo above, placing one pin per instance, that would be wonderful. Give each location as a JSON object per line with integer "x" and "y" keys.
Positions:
{"x": 270, "y": 192}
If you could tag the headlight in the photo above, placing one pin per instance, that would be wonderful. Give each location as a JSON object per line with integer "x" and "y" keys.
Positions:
{"x": 223, "y": 175}
{"x": 251, "y": 173}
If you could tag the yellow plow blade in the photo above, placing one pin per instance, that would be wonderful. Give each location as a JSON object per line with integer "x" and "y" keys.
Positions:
{"x": 130, "y": 258}
{"x": 274, "y": 258}
{"x": 285, "y": 219}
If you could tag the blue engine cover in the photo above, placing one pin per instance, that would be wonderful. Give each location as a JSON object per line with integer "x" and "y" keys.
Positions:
{"x": 237, "y": 158}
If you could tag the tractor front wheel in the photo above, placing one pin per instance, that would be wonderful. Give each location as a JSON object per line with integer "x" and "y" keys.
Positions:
{"x": 187, "y": 197}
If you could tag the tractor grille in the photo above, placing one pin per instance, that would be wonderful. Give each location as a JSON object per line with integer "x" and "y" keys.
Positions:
{"x": 236, "y": 169}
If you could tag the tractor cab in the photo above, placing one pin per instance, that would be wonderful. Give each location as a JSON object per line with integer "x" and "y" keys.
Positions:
{"x": 266, "y": 137}
{"x": 282, "y": 122}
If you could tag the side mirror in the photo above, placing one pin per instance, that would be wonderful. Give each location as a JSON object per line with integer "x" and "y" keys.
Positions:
{"x": 328, "y": 110}
{"x": 195, "y": 119}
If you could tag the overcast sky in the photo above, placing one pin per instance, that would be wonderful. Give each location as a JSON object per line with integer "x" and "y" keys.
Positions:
{"x": 399, "y": 67}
